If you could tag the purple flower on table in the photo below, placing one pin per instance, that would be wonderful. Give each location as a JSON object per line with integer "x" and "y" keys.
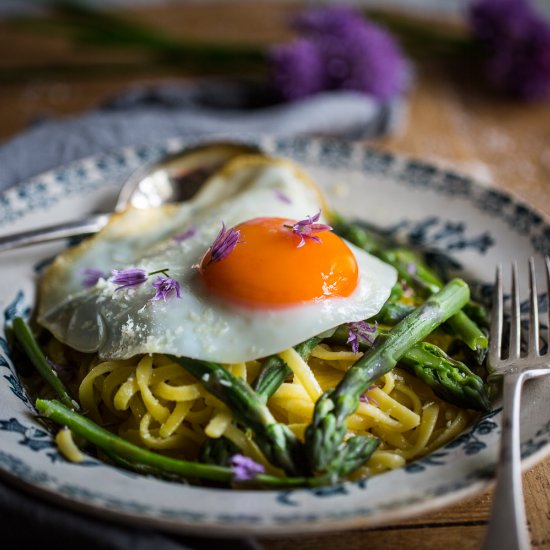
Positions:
{"x": 297, "y": 69}
{"x": 361, "y": 332}
{"x": 90, "y": 276}
{"x": 244, "y": 468}
{"x": 306, "y": 229}
{"x": 518, "y": 42}
{"x": 128, "y": 278}
{"x": 224, "y": 244}
{"x": 166, "y": 287}
{"x": 338, "y": 49}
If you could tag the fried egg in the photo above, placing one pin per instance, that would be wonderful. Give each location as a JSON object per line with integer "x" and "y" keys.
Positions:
{"x": 269, "y": 293}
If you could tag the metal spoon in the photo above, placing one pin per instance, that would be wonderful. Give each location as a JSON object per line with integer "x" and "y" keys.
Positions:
{"x": 173, "y": 178}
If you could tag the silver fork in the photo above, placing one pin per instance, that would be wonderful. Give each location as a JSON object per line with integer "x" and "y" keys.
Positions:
{"x": 508, "y": 525}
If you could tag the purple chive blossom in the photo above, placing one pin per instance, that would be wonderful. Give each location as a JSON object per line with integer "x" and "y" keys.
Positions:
{"x": 90, "y": 276}
{"x": 411, "y": 268}
{"x": 244, "y": 468}
{"x": 364, "y": 398}
{"x": 338, "y": 49}
{"x": 361, "y": 331}
{"x": 518, "y": 43}
{"x": 224, "y": 244}
{"x": 166, "y": 287}
{"x": 187, "y": 234}
{"x": 297, "y": 69}
{"x": 128, "y": 277}
{"x": 306, "y": 229}
{"x": 283, "y": 197}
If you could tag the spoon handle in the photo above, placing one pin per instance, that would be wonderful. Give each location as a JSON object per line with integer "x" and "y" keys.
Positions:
{"x": 91, "y": 224}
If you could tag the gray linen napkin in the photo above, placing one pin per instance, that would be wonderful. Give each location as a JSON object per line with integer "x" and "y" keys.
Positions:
{"x": 148, "y": 115}
{"x": 137, "y": 117}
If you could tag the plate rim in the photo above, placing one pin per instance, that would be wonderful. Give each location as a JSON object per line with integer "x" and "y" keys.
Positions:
{"x": 357, "y": 521}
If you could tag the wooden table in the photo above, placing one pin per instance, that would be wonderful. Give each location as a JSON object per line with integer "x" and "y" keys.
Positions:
{"x": 451, "y": 121}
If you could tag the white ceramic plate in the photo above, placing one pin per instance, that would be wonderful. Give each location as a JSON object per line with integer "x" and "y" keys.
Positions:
{"x": 476, "y": 226}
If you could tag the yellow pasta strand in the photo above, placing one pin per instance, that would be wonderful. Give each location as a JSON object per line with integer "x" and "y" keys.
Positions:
{"x": 127, "y": 390}
{"x": 177, "y": 416}
{"x": 302, "y": 372}
{"x": 218, "y": 423}
{"x": 159, "y": 405}
{"x": 143, "y": 375}
{"x": 67, "y": 447}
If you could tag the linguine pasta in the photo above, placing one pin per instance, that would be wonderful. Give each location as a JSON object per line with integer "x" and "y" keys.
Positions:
{"x": 155, "y": 403}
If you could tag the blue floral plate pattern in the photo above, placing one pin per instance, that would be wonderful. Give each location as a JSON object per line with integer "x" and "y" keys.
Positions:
{"x": 468, "y": 227}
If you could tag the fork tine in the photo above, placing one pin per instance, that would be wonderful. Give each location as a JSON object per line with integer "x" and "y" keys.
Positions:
{"x": 533, "y": 349}
{"x": 515, "y": 327}
{"x": 496, "y": 320}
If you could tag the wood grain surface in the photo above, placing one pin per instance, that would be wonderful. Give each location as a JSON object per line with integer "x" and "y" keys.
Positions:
{"x": 452, "y": 120}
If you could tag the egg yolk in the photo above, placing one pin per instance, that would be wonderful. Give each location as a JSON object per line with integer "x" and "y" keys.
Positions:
{"x": 268, "y": 269}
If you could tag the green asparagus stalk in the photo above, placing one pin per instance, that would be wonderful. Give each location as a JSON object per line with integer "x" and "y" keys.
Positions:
{"x": 324, "y": 436}
{"x": 278, "y": 443}
{"x": 32, "y": 350}
{"x": 450, "y": 379}
{"x": 144, "y": 460}
{"x": 421, "y": 277}
{"x": 218, "y": 451}
{"x": 275, "y": 371}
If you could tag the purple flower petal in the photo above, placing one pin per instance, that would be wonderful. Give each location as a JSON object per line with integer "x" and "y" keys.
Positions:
{"x": 166, "y": 287}
{"x": 282, "y": 197}
{"x": 361, "y": 331}
{"x": 90, "y": 276}
{"x": 128, "y": 277}
{"x": 224, "y": 244}
{"x": 306, "y": 229}
{"x": 187, "y": 234}
{"x": 244, "y": 468}
{"x": 364, "y": 398}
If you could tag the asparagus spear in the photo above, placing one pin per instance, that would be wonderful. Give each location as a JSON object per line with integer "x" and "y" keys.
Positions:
{"x": 144, "y": 460}
{"x": 31, "y": 348}
{"x": 218, "y": 451}
{"x": 324, "y": 436}
{"x": 451, "y": 380}
{"x": 421, "y": 278}
{"x": 275, "y": 371}
{"x": 278, "y": 443}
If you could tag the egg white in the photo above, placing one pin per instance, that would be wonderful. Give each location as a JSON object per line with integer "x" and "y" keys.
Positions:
{"x": 123, "y": 323}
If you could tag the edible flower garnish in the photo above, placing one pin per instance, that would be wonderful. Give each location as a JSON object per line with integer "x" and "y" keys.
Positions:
{"x": 244, "y": 468}
{"x": 166, "y": 287}
{"x": 364, "y": 398}
{"x": 90, "y": 276}
{"x": 129, "y": 277}
{"x": 361, "y": 331}
{"x": 283, "y": 197}
{"x": 191, "y": 231}
{"x": 224, "y": 244}
{"x": 306, "y": 229}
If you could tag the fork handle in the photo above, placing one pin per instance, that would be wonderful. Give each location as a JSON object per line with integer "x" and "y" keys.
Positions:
{"x": 508, "y": 525}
